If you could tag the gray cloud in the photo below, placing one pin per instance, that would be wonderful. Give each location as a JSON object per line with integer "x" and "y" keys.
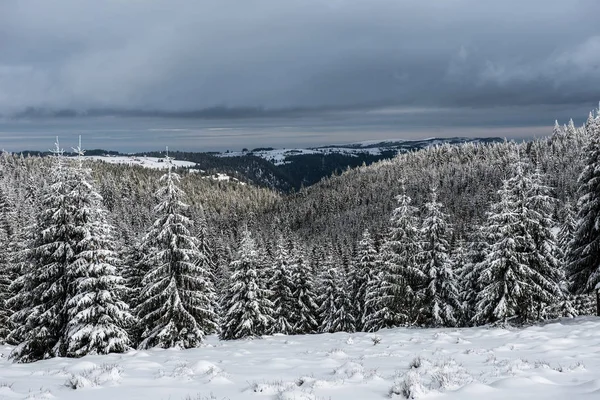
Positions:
{"x": 194, "y": 54}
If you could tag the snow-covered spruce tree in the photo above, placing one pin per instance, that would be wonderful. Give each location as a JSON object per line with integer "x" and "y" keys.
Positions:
{"x": 391, "y": 297}
{"x": 501, "y": 271}
{"x": 546, "y": 259}
{"x": 176, "y": 307}
{"x": 281, "y": 287}
{"x": 379, "y": 299}
{"x": 206, "y": 261}
{"x": 583, "y": 269}
{"x": 344, "y": 320}
{"x": 246, "y": 306}
{"x": 364, "y": 270}
{"x": 207, "y": 258}
{"x": 328, "y": 292}
{"x": 568, "y": 225}
{"x": 264, "y": 273}
{"x": 439, "y": 303}
{"x": 335, "y": 303}
{"x": 97, "y": 316}
{"x": 566, "y": 305}
{"x": 477, "y": 249}
{"x": 6, "y": 277}
{"x": 41, "y": 289}
{"x": 517, "y": 277}
{"x": 133, "y": 270}
{"x": 18, "y": 256}
{"x": 305, "y": 316}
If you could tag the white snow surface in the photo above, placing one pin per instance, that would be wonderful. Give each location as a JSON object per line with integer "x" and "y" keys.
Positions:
{"x": 560, "y": 360}
{"x": 142, "y": 161}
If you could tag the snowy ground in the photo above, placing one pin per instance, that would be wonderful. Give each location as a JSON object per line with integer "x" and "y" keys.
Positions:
{"x": 555, "y": 361}
{"x": 146, "y": 162}
{"x": 223, "y": 177}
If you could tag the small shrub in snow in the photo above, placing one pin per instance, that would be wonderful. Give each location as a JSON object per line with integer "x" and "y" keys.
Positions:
{"x": 415, "y": 363}
{"x": 102, "y": 375}
{"x": 559, "y": 369}
{"x": 579, "y": 366}
{"x": 449, "y": 374}
{"x": 376, "y": 340}
{"x": 350, "y": 370}
{"x": 182, "y": 369}
{"x": 79, "y": 381}
{"x": 272, "y": 387}
{"x": 410, "y": 387}
{"x": 424, "y": 376}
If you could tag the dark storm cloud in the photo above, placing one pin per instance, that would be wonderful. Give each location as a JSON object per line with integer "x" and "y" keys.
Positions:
{"x": 297, "y": 54}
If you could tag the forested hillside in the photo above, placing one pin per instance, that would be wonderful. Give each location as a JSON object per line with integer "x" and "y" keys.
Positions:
{"x": 98, "y": 258}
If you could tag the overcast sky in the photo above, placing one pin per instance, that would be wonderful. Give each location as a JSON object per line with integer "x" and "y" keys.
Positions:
{"x": 357, "y": 69}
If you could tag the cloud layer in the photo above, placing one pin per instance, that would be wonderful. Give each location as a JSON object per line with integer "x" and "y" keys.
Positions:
{"x": 194, "y": 54}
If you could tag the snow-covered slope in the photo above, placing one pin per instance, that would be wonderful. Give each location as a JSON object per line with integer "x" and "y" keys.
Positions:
{"x": 146, "y": 162}
{"x": 556, "y": 361}
{"x": 371, "y": 147}
{"x": 224, "y": 177}
{"x": 278, "y": 156}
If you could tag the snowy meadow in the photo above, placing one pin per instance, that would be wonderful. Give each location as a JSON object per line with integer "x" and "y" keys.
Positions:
{"x": 553, "y": 361}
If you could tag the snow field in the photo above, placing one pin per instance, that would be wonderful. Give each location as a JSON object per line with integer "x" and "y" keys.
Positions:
{"x": 560, "y": 360}
{"x": 146, "y": 162}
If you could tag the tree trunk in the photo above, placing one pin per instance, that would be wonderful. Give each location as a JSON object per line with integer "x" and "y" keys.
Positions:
{"x": 598, "y": 303}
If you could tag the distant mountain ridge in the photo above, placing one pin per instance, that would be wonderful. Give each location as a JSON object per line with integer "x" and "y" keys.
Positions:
{"x": 290, "y": 169}
{"x": 386, "y": 148}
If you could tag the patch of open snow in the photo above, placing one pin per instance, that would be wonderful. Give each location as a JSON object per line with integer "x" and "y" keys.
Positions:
{"x": 142, "y": 161}
{"x": 539, "y": 362}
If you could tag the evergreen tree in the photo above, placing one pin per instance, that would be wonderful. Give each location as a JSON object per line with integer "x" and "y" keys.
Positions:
{"x": 246, "y": 305}
{"x": 477, "y": 249}
{"x": 5, "y": 281}
{"x": 7, "y": 271}
{"x": 96, "y": 314}
{"x": 391, "y": 298}
{"x": 208, "y": 259}
{"x": 335, "y": 302}
{"x": 18, "y": 256}
{"x": 134, "y": 267}
{"x": 281, "y": 287}
{"x": 364, "y": 268}
{"x": 566, "y": 305}
{"x": 41, "y": 288}
{"x": 439, "y": 296}
{"x": 583, "y": 270}
{"x": 518, "y": 275}
{"x": 177, "y": 299}
{"x": 305, "y": 315}
{"x": 567, "y": 230}
{"x": 504, "y": 271}
{"x": 264, "y": 274}
{"x": 545, "y": 259}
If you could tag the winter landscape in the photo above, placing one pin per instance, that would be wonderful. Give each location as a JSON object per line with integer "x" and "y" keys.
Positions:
{"x": 299, "y": 200}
